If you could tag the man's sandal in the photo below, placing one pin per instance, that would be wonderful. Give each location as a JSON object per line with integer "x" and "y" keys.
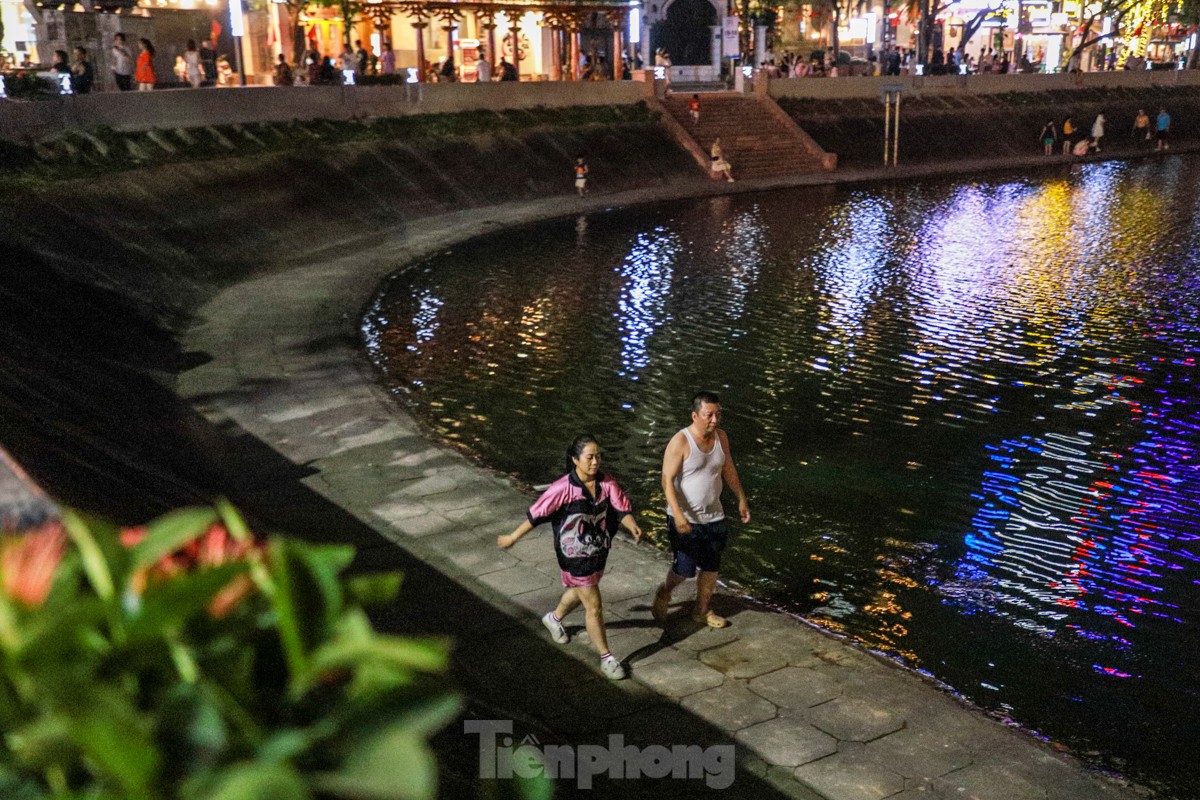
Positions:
{"x": 711, "y": 619}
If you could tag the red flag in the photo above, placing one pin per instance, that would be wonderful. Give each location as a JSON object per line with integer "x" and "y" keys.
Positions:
{"x": 216, "y": 32}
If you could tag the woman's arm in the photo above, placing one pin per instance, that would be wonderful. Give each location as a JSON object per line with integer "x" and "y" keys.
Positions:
{"x": 630, "y": 524}
{"x": 507, "y": 541}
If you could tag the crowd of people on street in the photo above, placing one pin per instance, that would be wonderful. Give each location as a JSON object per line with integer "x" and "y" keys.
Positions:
{"x": 198, "y": 66}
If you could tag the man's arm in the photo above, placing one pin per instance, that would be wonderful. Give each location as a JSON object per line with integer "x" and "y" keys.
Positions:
{"x": 672, "y": 465}
{"x": 729, "y": 474}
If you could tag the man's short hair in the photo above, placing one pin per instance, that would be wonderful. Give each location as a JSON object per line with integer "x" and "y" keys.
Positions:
{"x": 704, "y": 397}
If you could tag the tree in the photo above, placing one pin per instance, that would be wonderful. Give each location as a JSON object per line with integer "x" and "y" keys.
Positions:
{"x": 925, "y": 14}
{"x": 972, "y": 26}
{"x": 294, "y": 40}
{"x": 1189, "y": 14}
{"x": 1118, "y": 10}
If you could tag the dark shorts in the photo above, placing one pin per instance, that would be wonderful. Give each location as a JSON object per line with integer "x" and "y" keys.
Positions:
{"x": 1162, "y": 135}
{"x": 699, "y": 550}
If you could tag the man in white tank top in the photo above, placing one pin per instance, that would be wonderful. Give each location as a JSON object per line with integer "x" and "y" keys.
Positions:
{"x": 696, "y": 467}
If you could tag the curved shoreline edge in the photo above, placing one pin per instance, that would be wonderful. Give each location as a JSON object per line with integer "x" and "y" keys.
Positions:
{"x": 813, "y": 716}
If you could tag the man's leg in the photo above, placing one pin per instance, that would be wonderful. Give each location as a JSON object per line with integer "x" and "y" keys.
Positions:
{"x": 706, "y": 584}
{"x": 662, "y": 595}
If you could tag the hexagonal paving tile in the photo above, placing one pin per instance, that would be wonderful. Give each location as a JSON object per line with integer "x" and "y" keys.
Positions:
{"x": 847, "y": 777}
{"x": 745, "y": 658}
{"x": 986, "y": 783}
{"x": 796, "y": 687}
{"x": 854, "y": 720}
{"x": 916, "y": 756}
{"x": 787, "y": 742}
{"x": 730, "y": 706}
{"x": 678, "y": 677}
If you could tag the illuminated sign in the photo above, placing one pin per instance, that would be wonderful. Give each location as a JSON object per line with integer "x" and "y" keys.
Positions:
{"x": 237, "y": 26}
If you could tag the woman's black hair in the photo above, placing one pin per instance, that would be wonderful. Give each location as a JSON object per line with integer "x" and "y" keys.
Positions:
{"x": 581, "y": 441}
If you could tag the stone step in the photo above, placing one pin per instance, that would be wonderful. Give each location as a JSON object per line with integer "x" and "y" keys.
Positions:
{"x": 756, "y": 142}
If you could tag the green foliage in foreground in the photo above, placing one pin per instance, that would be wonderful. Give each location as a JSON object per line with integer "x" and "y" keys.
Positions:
{"x": 188, "y": 660}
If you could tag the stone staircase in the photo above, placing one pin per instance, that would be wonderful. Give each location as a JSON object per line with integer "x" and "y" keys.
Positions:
{"x": 758, "y": 138}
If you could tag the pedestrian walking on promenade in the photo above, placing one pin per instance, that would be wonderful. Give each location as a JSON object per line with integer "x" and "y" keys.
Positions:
{"x": 1098, "y": 131}
{"x": 581, "y": 176}
{"x": 719, "y": 165}
{"x": 193, "y": 72}
{"x": 697, "y": 466}
{"x": 1162, "y": 126}
{"x": 584, "y": 508}
{"x": 1141, "y": 128}
{"x": 694, "y": 109}
{"x": 122, "y": 63}
{"x": 483, "y": 70}
{"x": 82, "y": 74}
{"x": 1049, "y": 137}
{"x": 144, "y": 74}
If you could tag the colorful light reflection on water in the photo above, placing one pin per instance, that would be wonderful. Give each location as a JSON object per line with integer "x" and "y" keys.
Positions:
{"x": 966, "y": 414}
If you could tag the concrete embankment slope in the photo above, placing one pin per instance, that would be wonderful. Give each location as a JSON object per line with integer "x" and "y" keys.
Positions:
{"x": 190, "y": 329}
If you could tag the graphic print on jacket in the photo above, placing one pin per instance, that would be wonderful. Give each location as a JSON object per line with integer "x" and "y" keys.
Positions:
{"x": 583, "y": 525}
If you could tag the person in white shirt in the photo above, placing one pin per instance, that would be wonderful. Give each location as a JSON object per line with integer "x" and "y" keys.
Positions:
{"x": 696, "y": 467}
{"x": 122, "y": 63}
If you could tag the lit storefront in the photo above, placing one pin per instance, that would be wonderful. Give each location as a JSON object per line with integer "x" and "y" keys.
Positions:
{"x": 542, "y": 41}
{"x": 18, "y": 42}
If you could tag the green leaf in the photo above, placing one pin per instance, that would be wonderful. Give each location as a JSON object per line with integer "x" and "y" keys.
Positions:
{"x": 255, "y": 781}
{"x": 43, "y": 742}
{"x": 169, "y": 604}
{"x": 108, "y": 729}
{"x": 94, "y": 564}
{"x": 374, "y": 590}
{"x": 395, "y": 764}
{"x": 234, "y": 523}
{"x": 308, "y": 595}
{"x": 170, "y": 532}
{"x": 405, "y": 655}
{"x": 190, "y": 727}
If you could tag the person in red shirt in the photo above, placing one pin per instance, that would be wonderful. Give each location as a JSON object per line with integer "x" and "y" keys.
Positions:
{"x": 694, "y": 108}
{"x": 144, "y": 74}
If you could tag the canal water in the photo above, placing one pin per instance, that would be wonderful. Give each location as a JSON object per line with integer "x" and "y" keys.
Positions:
{"x": 965, "y": 411}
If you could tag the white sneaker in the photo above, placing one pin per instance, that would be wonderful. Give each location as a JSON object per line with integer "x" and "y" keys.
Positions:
{"x": 612, "y": 668}
{"x": 557, "y": 632}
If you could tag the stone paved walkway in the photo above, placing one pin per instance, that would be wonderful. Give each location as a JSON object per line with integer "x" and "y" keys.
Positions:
{"x": 812, "y": 717}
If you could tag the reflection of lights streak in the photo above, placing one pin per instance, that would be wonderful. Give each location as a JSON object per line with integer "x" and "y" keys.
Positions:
{"x": 647, "y": 271}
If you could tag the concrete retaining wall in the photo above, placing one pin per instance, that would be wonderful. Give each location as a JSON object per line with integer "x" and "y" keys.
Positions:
{"x": 913, "y": 86}
{"x": 189, "y": 108}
